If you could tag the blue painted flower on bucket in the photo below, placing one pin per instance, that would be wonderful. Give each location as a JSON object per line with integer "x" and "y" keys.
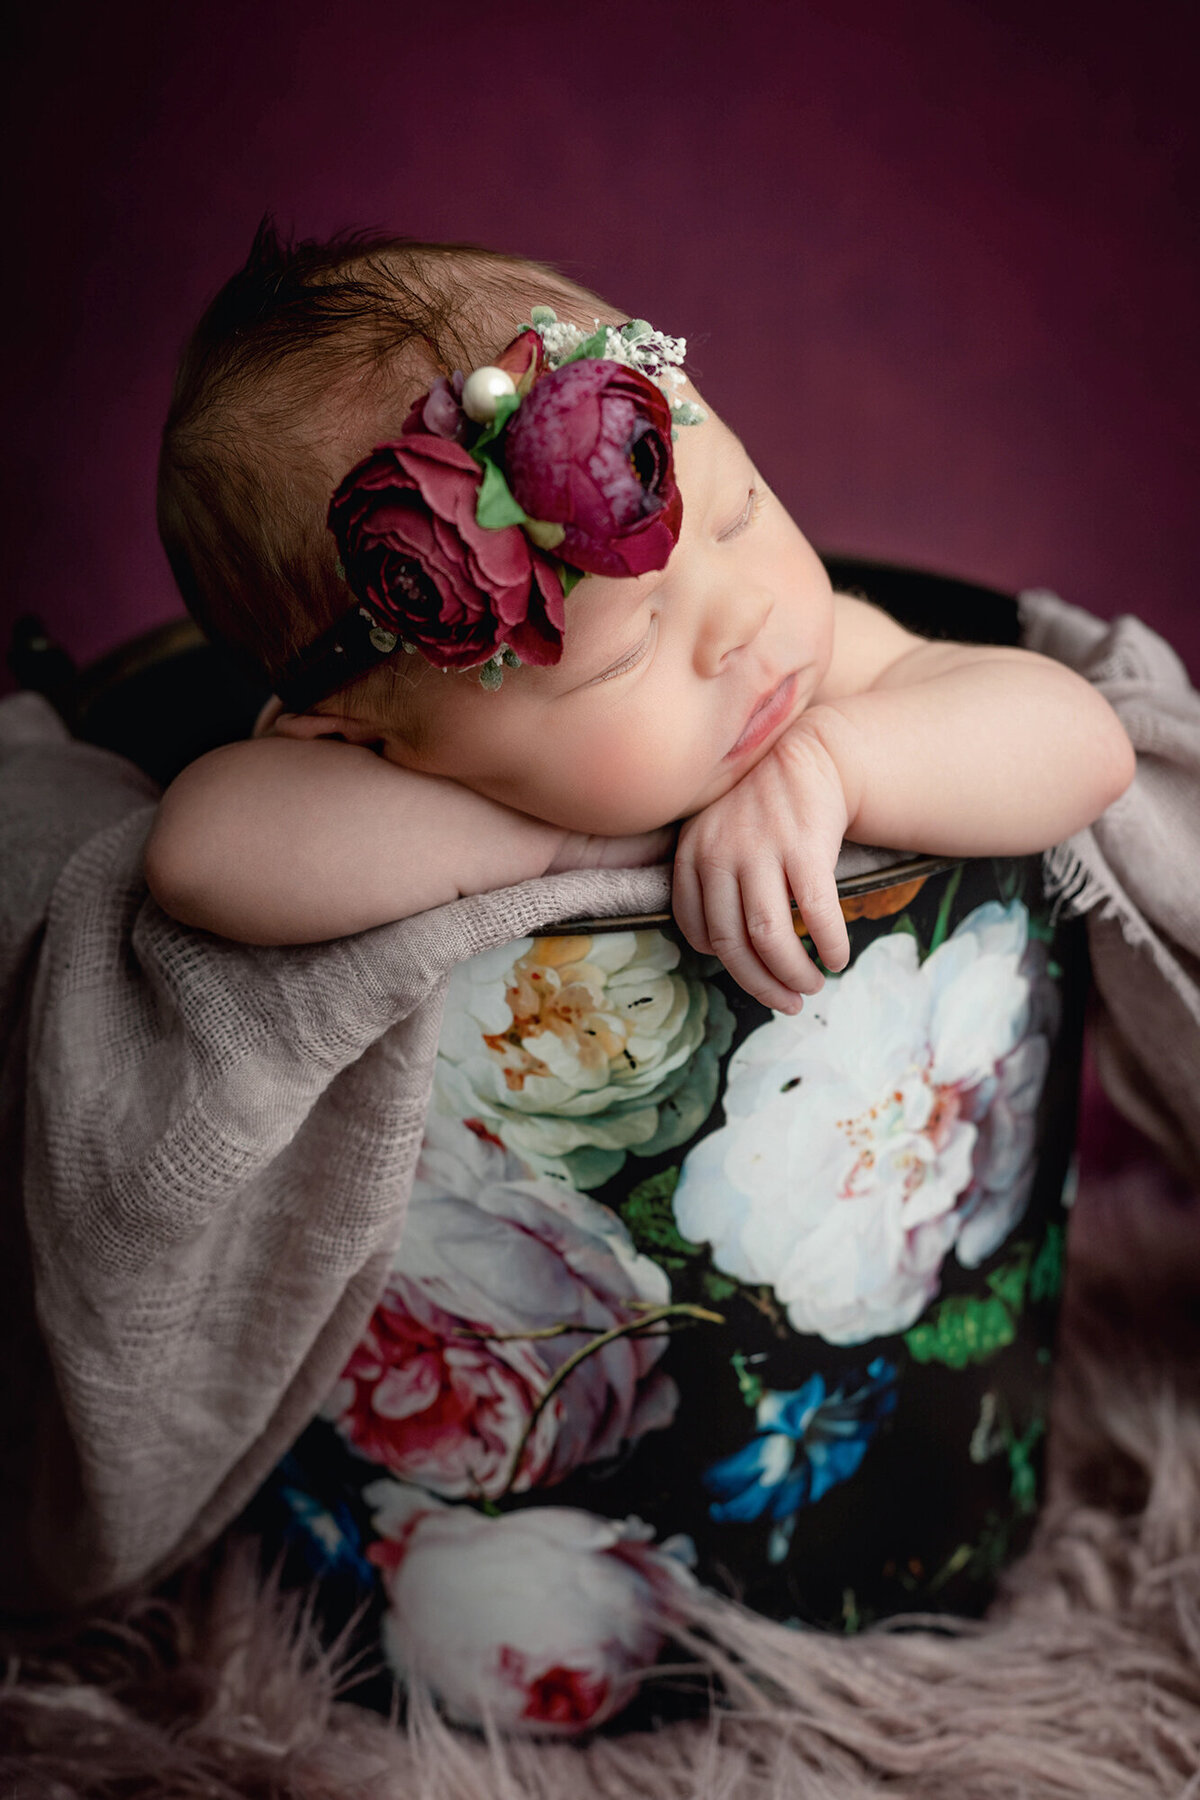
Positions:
{"x": 808, "y": 1440}
{"x": 328, "y": 1537}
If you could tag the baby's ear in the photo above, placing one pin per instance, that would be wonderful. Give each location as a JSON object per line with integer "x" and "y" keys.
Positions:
{"x": 330, "y": 725}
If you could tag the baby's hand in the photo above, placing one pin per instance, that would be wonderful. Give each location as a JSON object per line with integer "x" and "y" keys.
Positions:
{"x": 772, "y": 838}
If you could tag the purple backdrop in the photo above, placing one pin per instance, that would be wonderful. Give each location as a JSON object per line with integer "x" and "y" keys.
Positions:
{"x": 936, "y": 261}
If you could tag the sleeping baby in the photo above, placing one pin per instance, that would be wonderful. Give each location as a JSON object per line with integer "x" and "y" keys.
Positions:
{"x": 527, "y": 605}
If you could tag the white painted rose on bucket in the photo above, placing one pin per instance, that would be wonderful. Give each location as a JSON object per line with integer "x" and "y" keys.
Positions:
{"x": 540, "y": 1621}
{"x": 443, "y": 1389}
{"x": 889, "y": 1123}
{"x": 575, "y": 1051}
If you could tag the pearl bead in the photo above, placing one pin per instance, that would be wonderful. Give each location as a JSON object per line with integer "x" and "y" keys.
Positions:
{"x": 482, "y": 389}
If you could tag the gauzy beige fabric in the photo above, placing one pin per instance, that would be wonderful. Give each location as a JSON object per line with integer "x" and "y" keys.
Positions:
{"x": 1136, "y": 874}
{"x": 206, "y": 1149}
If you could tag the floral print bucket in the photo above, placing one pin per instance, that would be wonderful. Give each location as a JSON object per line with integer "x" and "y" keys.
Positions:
{"x": 694, "y": 1293}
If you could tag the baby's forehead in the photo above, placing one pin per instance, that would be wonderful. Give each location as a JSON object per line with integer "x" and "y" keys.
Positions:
{"x": 710, "y": 463}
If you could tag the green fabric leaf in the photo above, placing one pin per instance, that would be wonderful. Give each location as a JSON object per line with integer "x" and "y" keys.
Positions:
{"x": 495, "y": 507}
{"x": 569, "y": 577}
{"x": 717, "y": 1287}
{"x": 506, "y": 406}
{"x": 591, "y": 347}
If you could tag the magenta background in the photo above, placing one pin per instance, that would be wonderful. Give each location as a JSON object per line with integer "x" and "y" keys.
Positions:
{"x": 937, "y": 260}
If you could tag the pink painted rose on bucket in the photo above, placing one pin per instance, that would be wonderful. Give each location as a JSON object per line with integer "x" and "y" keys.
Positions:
{"x": 444, "y": 1386}
{"x": 541, "y": 1621}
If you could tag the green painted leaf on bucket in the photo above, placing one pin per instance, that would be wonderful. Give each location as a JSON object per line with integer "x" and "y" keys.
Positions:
{"x": 647, "y": 1212}
{"x": 941, "y": 925}
{"x": 750, "y": 1383}
{"x": 655, "y": 1187}
{"x": 905, "y": 923}
{"x": 1023, "y": 1474}
{"x": 962, "y": 1330}
{"x": 1008, "y": 1281}
{"x": 1046, "y": 1275}
{"x": 970, "y": 1328}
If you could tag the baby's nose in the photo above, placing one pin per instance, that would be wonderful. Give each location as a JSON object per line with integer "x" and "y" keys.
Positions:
{"x": 731, "y": 623}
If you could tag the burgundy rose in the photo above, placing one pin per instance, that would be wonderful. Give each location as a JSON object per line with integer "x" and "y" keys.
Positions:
{"x": 440, "y": 410}
{"x": 404, "y": 520}
{"x": 590, "y": 449}
{"x": 524, "y": 359}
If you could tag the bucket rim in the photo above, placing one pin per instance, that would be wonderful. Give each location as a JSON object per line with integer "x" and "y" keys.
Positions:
{"x": 851, "y": 887}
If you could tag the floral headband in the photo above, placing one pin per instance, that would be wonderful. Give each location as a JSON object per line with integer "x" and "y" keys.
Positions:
{"x": 462, "y": 538}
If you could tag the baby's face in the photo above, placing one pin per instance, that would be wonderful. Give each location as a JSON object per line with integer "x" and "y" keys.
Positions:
{"x": 671, "y": 685}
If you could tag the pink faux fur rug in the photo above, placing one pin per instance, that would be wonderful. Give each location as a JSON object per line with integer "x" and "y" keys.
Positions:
{"x": 1083, "y": 1684}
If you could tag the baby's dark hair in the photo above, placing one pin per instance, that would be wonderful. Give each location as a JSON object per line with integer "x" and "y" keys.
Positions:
{"x": 306, "y": 359}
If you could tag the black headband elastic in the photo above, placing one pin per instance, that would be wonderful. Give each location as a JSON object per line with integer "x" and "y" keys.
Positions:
{"x": 352, "y": 646}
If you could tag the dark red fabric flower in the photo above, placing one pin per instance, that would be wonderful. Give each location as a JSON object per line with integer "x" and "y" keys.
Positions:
{"x": 404, "y": 520}
{"x": 590, "y": 449}
{"x": 440, "y": 410}
{"x": 524, "y": 359}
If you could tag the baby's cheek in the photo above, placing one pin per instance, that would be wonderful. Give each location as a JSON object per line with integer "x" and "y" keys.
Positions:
{"x": 633, "y": 783}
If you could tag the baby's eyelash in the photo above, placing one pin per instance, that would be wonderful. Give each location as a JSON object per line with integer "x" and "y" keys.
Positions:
{"x": 753, "y": 507}
{"x": 629, "y": 662}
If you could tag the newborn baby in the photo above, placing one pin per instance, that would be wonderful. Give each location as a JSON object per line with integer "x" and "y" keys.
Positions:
{"x": 615, "y": 630}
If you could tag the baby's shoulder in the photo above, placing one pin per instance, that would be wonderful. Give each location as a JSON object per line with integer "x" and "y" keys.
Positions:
{"x": 866, "y": 642}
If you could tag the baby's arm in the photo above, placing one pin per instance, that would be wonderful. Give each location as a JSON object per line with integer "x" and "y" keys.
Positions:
{"x": 962, "y": 749}
{"x": 955, "y": 749}
{"x": 279, "y": 841}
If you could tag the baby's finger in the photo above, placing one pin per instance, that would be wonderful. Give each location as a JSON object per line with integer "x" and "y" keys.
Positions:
{"x": 687, "y": 902}
{"x": 817, "y": 899}
{"x": 730, "y": 940}
{"x": 767, "y": 909}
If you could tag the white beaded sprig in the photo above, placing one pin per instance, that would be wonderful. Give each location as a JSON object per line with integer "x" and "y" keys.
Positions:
{"x": 636, "y": 345}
